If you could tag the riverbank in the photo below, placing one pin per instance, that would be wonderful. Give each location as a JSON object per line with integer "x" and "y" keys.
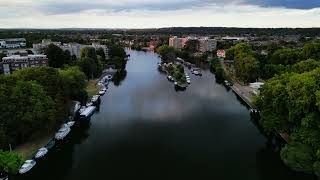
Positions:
{"x": 92, "y": 88}
{"x": 28, "y": 149}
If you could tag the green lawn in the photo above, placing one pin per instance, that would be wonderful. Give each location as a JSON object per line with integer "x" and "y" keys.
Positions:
{"x": 91, "y": 88}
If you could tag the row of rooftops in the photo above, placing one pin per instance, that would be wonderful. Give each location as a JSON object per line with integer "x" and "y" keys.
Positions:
{"x": 17, "y": 58}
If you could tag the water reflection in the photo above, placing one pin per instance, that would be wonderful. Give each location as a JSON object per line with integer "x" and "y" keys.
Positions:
{"x": 146, "y": 130}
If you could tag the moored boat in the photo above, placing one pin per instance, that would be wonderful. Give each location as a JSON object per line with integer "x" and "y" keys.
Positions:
{"x": 27, "y": 166}
{"x": 62, "y": 133}
{"x": 88, "y": 112}
{"x": 41, "y": 152}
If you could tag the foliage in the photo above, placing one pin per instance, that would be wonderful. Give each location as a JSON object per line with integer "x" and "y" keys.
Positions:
{"x": 305, "y": 66}
{"x": 167, "y": 53}
{"x": 73, "y": 83}
{"x": 10, "y": 162}
{"x": 290, "y": 103}
{"x": 285, "y": 56}
{"x": 88, "y": 52}
{"x": 192, "y": 46}
{"x": 57, "y": 57}
{"x": 89, "y": 63}
{"x": 298, "y": 157}
{"x": 270, "y": 70}
{"x": 117, "y": 57}
{"x": 101, "y": 53}
{"x": 89, "y": 67}
{"x": 311, "y": 51}
{"x": 245, "y": 64}
{"x": 34, "y": 102}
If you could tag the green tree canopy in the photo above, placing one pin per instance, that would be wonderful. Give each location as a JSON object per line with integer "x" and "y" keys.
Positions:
{"x": 167, "y": 53}
{"x": 55, "y": 55}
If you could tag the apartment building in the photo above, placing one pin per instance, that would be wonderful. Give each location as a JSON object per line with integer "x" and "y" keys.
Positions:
{"x": 15, "y": 62}
{"x": 13, "y": 43}
{"x": 177, "y": 43}
{"x": 207, "y": 45}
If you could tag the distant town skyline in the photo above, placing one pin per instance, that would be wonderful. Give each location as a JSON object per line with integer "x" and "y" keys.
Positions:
{"x": 158, "y": 13}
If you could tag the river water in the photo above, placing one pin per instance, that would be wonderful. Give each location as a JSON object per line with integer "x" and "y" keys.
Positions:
{"x": 147, "y": 130}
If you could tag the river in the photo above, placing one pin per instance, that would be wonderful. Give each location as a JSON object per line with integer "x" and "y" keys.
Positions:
{"x": 147, "y": 130}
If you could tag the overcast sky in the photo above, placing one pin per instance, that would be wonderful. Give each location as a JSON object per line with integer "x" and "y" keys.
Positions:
{"x": 158, "y": 13}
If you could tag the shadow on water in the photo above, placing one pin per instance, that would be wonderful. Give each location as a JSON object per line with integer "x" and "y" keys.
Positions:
{"x": 119, "y": 77}
{"x": 60, "y": 156}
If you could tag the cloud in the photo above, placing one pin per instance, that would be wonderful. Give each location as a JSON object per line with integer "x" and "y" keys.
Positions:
{"x": 291, "y": 4}
{"x": 157, "y": 13}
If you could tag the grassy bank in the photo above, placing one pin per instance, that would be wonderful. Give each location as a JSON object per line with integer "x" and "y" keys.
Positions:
{"x": 28, "y": 150}
{"x": 92, "y": 89}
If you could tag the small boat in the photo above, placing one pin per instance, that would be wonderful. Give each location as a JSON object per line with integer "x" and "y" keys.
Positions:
{"x": 89, "y": 104}
{"x": 82, "y": 109}
{"x": 175, "y": 83}
{"x": 101, "y": 93}
{"x": 170, "y": 78}
{"x": 188, "y": 81}
{"x": 27, "y": 166}
{"x": 88, "y": 112}
{"x": 62, "y": 133}
{"x": 70, "y": 123}
{"x": 41, "y": 152}
{"x": 96, "y": 100}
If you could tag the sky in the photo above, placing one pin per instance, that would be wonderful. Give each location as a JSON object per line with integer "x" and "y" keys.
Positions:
{"x": 158, "y": 13}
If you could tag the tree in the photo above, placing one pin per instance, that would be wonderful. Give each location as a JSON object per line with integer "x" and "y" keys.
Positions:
{"x": 246, "y": 67}
{"x": 305, "y": 66}
{"x": 101, "y": 53}
{"x": 10, "y": 162}
{"x": 285, "y": 56}
{"x": 89, "y": 67}
{"x": 192, "y": 45}
{"x": 117, "y": 51}
{"x": 298, "y": 157}
{"x": 270, "y": 70}
{"x": 167, "y": 53}
{"x": 55, "y": 55}
{"x": 88, "y": 52}
{"x": 67, "y": 57}
{"x": 311, "y": 51}
{"x": 73, "y": 83}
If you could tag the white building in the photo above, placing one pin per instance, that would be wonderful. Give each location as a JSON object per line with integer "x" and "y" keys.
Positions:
{"x": 13, "y": 43}
{"x": 73, "y": 48}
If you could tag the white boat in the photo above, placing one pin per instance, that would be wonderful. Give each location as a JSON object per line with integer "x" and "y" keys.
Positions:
{"x": 88, "y": 112}
{"x": 27, "y": 166}
{"x": 82, "y": 109}
{"x": 89, "y": 104}
{"x": 70, "y": 123}
{"x": 188, "y": 81}
{"x": 101, "y": 93}
{"x": 41, "y": 152}
{"x": 175, "y": 83}
{"x": 62, "y": 133}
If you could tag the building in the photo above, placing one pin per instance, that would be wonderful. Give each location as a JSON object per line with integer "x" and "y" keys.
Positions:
{"x": 177, "y": 43}
{"x": 207, "y": 45}
{"x": 15, "y": 62}
{"x": 73, "y": 48}
{"x": 13, "y": 43}
{"x": 221, "y": 53}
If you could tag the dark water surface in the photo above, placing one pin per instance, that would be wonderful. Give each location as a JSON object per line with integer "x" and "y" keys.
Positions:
{"x": 147, "y": 130}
